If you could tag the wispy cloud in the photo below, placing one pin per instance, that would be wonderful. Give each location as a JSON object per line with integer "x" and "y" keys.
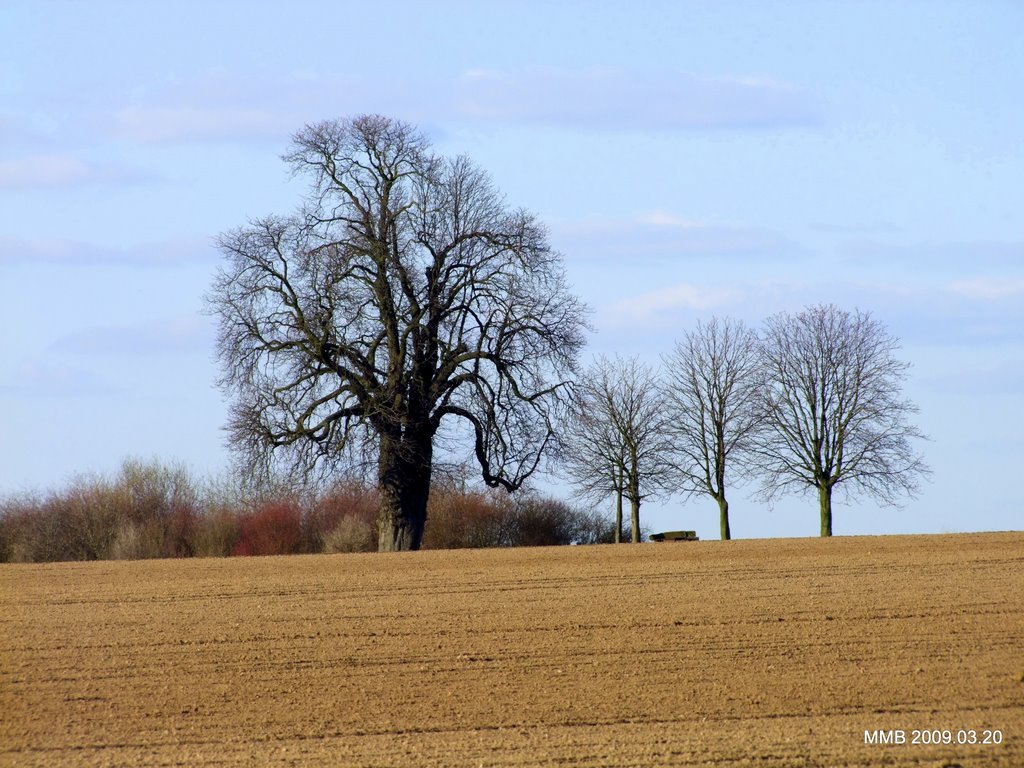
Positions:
{"x": 663, "y": 234}
{"x": 63, "y": 170}
{"x": 175, "y": 335}
{"x": 645, "y": 307}
{"x": 858, "y": 228}
{"x": 232, "y": 106}
{"x": 933, "y": 256}
{"x": 661, "y": 218}
{"x": 221, "y": 106}
{"x": 162, "y": 124}
{"x": 34, "y": 379}
{"x": 988, "y": 288}
{"x": 74, "y": 253}
{"x": 1002, "y": 377}
{"x": 616, "y": 99}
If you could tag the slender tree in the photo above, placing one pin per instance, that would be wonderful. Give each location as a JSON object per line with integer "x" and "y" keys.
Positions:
{"x": 402, "y": 296}
{"x": 834, "y": 412}
{"x": 593, "y": 452}
{"x": 615, "y": 441}
{"x": 711, "y": 388}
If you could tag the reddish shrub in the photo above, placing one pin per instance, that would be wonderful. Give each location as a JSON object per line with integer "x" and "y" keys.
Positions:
{"x": 275, "y": 528}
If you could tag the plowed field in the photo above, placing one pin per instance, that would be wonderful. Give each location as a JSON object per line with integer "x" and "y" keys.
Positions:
{"x": 744, "y": 653}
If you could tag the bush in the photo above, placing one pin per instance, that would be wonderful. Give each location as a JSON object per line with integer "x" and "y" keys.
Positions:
{"x": 80, "y": 523}
{"x": 147, "y": 510}
{"x": 538, "y": 521}
{"x": 25, "y": 530}
{"x": 351, "y": 534}
{"x": 458, "y": 519}
{"x": 154, "y": 510}
{"x": 162, "y": 507}
{"x": 347, "y": 510}
{"x": 599, "y": 528}
{"x": 275, "y": 528}
{"x": 216, "y": 533}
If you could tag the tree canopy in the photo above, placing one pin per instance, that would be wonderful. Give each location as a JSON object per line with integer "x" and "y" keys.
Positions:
{"x": 403, "y": 294}
{"x": 834, "y": 412}
{"x": 711, "y": 385}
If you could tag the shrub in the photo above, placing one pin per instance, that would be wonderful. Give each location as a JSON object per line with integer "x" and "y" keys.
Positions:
{"x": 275, "y": 528}
{"x": 163, "y": 506}
{"x": 541, "y": 521}
{"x": 351, "y": 534}
{"x": 20, "y": 524}
{"x": 459, "y": 519}
{"x": 79, "y": 523}
{"x": 151, "y": 509}
{"x": 216, "y": 533}
{"x": 147, "y": 510}
{"x": 343, "y": 505}
{"x": 598, "y": 528}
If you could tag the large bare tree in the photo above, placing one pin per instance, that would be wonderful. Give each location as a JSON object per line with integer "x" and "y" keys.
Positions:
{"x": 711, "y": 388}
{"x": 614, "y": 440}
{"x": 835, "y": 415}
{"x": 404, "y": 294}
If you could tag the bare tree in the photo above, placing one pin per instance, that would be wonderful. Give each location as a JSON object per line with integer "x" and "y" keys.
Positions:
{"x": 615, "y": 441}
{"x": 593, "y": 452}
{"x": 834, "y": 411}
{"x": 711, "y": 386}
{"x": 404, "y": 292}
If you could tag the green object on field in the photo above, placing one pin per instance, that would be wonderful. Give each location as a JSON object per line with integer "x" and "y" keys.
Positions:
{"x": 675, "y": 536}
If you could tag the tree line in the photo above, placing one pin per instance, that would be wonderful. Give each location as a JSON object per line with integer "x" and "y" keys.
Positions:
{"x": 812, "y": 403}
{"x": 404, "y": 313}
{"x": 149, "y": 509}
{"x": 404, "y": 308}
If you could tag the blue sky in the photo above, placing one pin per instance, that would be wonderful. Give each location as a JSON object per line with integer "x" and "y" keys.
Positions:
{"x": 690, "y": 159}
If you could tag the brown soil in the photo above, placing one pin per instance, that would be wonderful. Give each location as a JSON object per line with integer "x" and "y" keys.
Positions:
{"x": 745, "y": 653}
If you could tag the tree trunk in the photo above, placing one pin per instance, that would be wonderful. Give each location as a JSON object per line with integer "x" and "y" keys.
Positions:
{"x": 618, "y": 517}
{"x": 634, "y": 504}
{"x": 723, "y": 517}
{"x": 403, "y": 480}
{"x": 825, "y": 503}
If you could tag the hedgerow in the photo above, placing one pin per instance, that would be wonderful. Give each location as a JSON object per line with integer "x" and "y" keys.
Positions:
{"x": 151, "y": 509}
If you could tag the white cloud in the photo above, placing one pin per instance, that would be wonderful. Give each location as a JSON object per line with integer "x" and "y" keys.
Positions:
{"x": 858, "y": 228}
{"x": 662, "y": 234}
{"x": 35, "y": 379}
{"x": 932, "y": 257}
{"x": 182, "y": 334}
{"x": 61, "y": 170}
{"x": 158, "y": 124}
{"x": 662, "y": 218}
{"x": 988, "y": 288}
{"x": 615, "y": 99}
{"x": 648, "y": 306}
{"x": 221, "y": 105}
{"x": 75, "y": 253}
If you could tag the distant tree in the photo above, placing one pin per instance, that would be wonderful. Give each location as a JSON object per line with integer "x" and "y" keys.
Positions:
{"x": 404, "y": 295}
{"x": 711, "y": 390}
{"x": 594, "y": 456}
{"x": 834, "y": 411}
{"x": 615, "y": 441}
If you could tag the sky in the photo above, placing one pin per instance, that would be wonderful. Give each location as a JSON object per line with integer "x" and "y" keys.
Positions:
{"x": 690, "y": 159}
